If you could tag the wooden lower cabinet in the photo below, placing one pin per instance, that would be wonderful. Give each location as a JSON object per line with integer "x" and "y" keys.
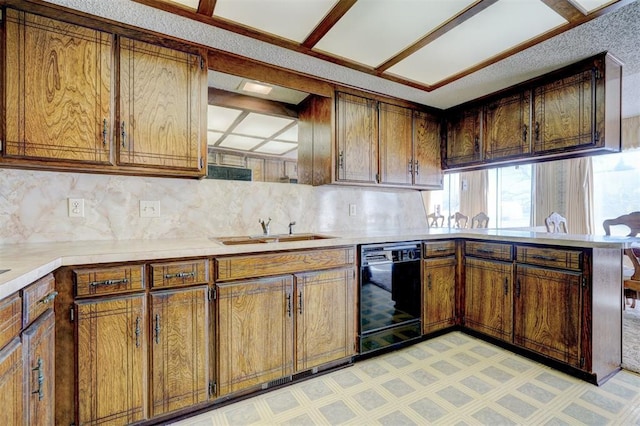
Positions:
{"x": 179, "y": 349}
{"x": 438, "y": 293}
{"x": 255, "y": 320}
{"x": 111, "y": 360}
{"x": 488, "y": 297}
{"x": 272, "y": 328}
{"x": 548, "y": 312}
{"x": 325, "y": 317}
{"x": 39, "y": 362}
{"x": 12, "y": 384}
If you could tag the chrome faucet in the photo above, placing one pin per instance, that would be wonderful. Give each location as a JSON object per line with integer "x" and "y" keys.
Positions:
{"x": 265, "y": 226}
{"x": 291, "y": 227}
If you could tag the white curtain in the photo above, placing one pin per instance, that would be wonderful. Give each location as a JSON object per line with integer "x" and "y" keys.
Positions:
{"x": 474, "y": 188}
{"x": 565, "y": 187}
{"x": 631, "y": 133}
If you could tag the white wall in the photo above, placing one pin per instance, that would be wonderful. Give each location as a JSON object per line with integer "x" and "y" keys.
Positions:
{"x": 33, "y": 207}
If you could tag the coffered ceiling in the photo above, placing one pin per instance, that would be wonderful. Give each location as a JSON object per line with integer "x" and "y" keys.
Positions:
{"x": 425, "y": 44}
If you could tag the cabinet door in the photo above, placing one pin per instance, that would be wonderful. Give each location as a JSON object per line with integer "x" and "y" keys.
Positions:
{"x": 57, "y": 91}
{"x": 111, "y": 360}
{"x": 507, "y": 131}
{"x": 255, "y": 332}
{"x": 11, "y": 384}
{"x": 39, "y": 348}
{"x": 488, "y": 297}
{"x": 427, "y": 163}
{"x": 161, "y": 107}
{"x": 357, "y": 139}
{"x": 179, "y": 349}
{"x": 325, "y": 317}
{"x": 396, "y": 145}
{"x": 463, "y": 137}
{"x": 563, "y": 113}
{"x": 548, "y": 311}
{"x": 439, "y": 303}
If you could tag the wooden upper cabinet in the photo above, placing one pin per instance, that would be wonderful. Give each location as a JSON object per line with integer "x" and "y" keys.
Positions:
{"x": 507, "y": 129}
{"x": 58, "y": 90}
{"x": 427, "y": 160}
{"x": 162, "y": 99}
{"x": 357, "y": 139}
{"x": 315, "y": 140}
{"x": 396, "y": 145}
{"x": 464, "y": 132}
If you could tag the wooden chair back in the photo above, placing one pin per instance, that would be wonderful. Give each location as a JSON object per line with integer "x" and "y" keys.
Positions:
{"x": 631, "y": 220}
{"x": 459, "y": 220}
{"x": 434, "y": 218}
{"x": 481, "y": 220}
{"x": 556, "y": 224}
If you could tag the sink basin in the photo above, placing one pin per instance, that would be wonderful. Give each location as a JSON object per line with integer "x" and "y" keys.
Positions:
{"x": 2, "y": 271}
{"x": 264, "y": 239}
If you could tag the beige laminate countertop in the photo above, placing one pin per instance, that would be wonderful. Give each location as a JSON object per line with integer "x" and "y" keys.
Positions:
{"x": 28, "y": 262}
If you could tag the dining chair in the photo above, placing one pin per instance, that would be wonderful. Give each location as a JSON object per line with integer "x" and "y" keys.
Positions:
{"x": 459, "y": 220}
{"x": 481, "y": 220}
{"x": 631, "y": 284}
{"x": 556, "y": 223}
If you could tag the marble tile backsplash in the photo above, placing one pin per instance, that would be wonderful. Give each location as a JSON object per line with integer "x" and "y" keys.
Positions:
{"x": 33, "y": 207}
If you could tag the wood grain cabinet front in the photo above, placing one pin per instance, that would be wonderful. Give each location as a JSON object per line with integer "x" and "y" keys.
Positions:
{"x": 507, "y": 126}
{"x": 464, "y": 137}
{"x": 12, "y": 385}
{"x": 438, "y": 293}
{"x": 60, "y": 107}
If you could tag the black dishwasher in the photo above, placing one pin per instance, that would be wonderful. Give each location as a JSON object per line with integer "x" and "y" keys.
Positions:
{"x": 390, "y": 295}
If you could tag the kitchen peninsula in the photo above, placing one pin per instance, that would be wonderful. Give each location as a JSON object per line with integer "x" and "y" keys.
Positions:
{"x": 569, "y": 283}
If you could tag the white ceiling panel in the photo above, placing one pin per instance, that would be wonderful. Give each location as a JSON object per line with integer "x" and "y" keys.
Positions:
{"x": 276, "y": 147}
{"x": 588, "y": 6}
{"x": 261, "y": 125}
{"x": 490, "y": 32}
{"x": 291, "y": 19}
{"x": 213, "y": 137}
{"x": 220, "y": 118}
{"x": 244, "y": 143}
{"x": 290, "y": 135}
{"x": 373, "y": 31}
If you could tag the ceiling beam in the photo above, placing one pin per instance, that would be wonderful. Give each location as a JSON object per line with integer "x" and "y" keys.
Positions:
{"x": 336, "y": 13}
{"x": 566, "y": 9}
{"x": 447, "y": 26}
{"x": 205, "y": 7}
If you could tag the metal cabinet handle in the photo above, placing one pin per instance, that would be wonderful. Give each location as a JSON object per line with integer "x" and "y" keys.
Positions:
{"x": 300, "y": 303}
{"x": 541, "y": 257}
{"x": 39, "y": 369}
{"x": 341, "y": 160}
{"x": 524, "y": 133}
{"x": 518, "y": 288}
{"x": 104, "y": 131}
{"x": 137, "y": 332}
{"x": 109, "y": 282}
{"x": 486, "y": 251}
{"x": 49, "y": 298}
{"x": 288, "y": 305}
{"x": 506, "y": 286}
{"x": 476, "y": 144}
{"x": 429, "y": 281}
{"x": 417, "y": 167}
{"x": 123, "y": 133}
{"x": 410, "y": 167}
{"x": 180, "y": 275}
{"x": 536, "y": 131}
{"x": 157, "y": 328}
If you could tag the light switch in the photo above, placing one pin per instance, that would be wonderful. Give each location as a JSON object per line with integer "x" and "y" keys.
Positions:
{"x": 149, "y": 208}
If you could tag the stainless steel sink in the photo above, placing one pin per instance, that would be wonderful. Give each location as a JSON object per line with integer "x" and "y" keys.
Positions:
{"x": 265, "y": 239}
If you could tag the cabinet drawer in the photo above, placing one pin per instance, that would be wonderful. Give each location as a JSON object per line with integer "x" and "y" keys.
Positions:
{"x": 496, "y": 251}
{"x": 114, "y": 279}
{"x": 261, "y": 265}
{"x": 37, "y": 298}
{"x": 439, "y": 249}
{"x": 10, "y": 318}
{"x": 172, "y": 274}
{"x": 552, "y": 257}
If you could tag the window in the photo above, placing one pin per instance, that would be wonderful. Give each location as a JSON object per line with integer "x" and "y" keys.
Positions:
{"x": 616, "y": 188}
{"x": 509, "y": 196}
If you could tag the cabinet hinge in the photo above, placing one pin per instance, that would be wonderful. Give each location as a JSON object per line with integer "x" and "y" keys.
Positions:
{"x": 213, "y": 293}
{"x": 597, "y": 73}
{"x": 201, "y": 63}
{"x": 71, "y": 314}
{"x": 581, "y": 362}
{"x": 212, "y": 389}
{"x": 377, "y": 178}
{"x": 201, "y": 163}
{"x": 596, "y": 136}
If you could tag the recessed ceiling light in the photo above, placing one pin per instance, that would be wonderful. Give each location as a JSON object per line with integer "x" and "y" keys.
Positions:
{"x": 254, "y": 87}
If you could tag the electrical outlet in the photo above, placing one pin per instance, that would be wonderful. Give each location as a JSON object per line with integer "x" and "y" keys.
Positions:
{"x": 76, "y": 207}
{"x": 149, "y": 208}
{"x": 352, "y": 209}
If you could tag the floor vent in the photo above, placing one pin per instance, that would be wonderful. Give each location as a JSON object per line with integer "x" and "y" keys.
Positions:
{"x": 277, "y": 382}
